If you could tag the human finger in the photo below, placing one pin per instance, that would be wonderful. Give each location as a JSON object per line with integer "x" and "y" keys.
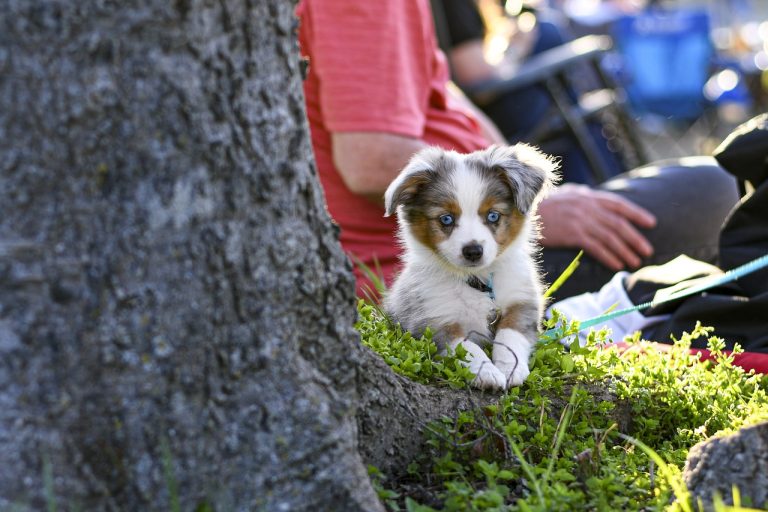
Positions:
{"x": 627, "y": 209}
{"x": 631, "y": 239}
{"x": 617, "y": 250}
{"x": 602, "y": 253}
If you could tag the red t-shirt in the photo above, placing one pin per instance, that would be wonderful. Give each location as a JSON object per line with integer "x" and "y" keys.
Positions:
{"x": 375, "y": 67}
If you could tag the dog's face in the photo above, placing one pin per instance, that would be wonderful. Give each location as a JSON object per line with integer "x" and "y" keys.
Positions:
{"x": 468, "y": 209}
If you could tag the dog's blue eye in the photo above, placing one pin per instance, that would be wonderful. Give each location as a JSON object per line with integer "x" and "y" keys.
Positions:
{"x": 493, "y": 216}
{"x": 446, "y": 220}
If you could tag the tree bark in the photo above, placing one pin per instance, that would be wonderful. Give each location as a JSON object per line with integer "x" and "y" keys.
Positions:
{"x": 175, "y": 311}
{"x": 740, "y": 459}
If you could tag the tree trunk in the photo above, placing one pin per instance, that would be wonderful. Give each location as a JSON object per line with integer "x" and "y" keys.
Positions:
{"x": 719, "y": 464}
{"x": 175, "y": 311}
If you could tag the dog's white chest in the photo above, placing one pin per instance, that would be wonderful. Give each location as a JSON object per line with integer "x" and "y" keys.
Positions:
{"x": 461, "y": 304}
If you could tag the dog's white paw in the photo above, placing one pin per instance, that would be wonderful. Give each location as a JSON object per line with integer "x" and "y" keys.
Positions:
{"x": 488, "y": 377}
{"x": 511, "y": 351}
{"x": 514, "y": 374}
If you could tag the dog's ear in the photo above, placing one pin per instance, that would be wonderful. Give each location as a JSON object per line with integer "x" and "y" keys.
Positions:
{"x": 529, "y": 172}
{"x": 419, "y": 171}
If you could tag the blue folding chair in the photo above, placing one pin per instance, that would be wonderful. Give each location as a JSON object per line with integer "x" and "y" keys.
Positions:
{"x": 667, "y": 58}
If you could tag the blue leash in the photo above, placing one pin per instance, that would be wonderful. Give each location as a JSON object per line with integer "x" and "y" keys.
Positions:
{"x": 731, "y": 275}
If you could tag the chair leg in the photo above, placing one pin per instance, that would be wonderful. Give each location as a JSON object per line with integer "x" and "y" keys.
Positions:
{"x": 578, "y": 128}
{"x": 626, "y": 125}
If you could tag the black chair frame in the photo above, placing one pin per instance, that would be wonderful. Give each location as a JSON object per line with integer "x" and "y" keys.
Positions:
{"x": 555, "y": 70}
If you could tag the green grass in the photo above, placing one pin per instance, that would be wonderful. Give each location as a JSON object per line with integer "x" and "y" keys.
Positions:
{"x": 415, "y": 358}
{"x": 50, "y": 495}
{"x": 591, "y": 428}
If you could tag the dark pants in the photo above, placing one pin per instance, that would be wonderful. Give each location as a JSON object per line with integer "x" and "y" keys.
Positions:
{"x": 690, "y": 198}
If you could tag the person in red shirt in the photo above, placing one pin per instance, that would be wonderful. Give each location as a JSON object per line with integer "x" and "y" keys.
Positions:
{"x": 378, "y": 91}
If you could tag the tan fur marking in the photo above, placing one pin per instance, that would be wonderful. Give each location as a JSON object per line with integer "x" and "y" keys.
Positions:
{"x": 421, "y": 227}
{"x": 509, "y": 229}
{"x": 510, "y": 317}
{"x": 407, "y": 190}
{"x": 446, "y": 334}
{"x": 521, "y": 317}
{"x": 490, "y": 203}
{"x": 427, "y": 229}
{"x": 453, "y": 331}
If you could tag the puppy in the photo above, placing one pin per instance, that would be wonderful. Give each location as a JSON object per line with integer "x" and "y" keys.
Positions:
{"x": 467, "y": 223}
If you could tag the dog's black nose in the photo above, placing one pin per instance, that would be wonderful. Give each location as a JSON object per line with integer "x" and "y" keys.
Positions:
{"x": 472, "y": 252}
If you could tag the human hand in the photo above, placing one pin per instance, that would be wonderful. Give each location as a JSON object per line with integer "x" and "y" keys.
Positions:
{"x": 602, "y": 223}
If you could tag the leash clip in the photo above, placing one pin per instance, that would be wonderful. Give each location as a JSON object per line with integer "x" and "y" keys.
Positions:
{"x": 493, "y": 319}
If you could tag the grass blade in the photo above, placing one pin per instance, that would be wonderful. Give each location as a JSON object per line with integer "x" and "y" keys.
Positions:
{"x": 569, "y": 270}
{"x": 50, "y": 493}
{"x": 527, "y": 469}
{"x": 170, "y": 478}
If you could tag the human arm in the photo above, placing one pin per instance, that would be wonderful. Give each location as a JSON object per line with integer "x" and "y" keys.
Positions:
{"x": 602, "y": 223}
{"x": 369, "y": 161}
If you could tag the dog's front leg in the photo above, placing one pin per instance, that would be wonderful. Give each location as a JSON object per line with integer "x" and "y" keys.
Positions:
{"x": 487, "y": 376}
{"x": 515, "y": 338}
